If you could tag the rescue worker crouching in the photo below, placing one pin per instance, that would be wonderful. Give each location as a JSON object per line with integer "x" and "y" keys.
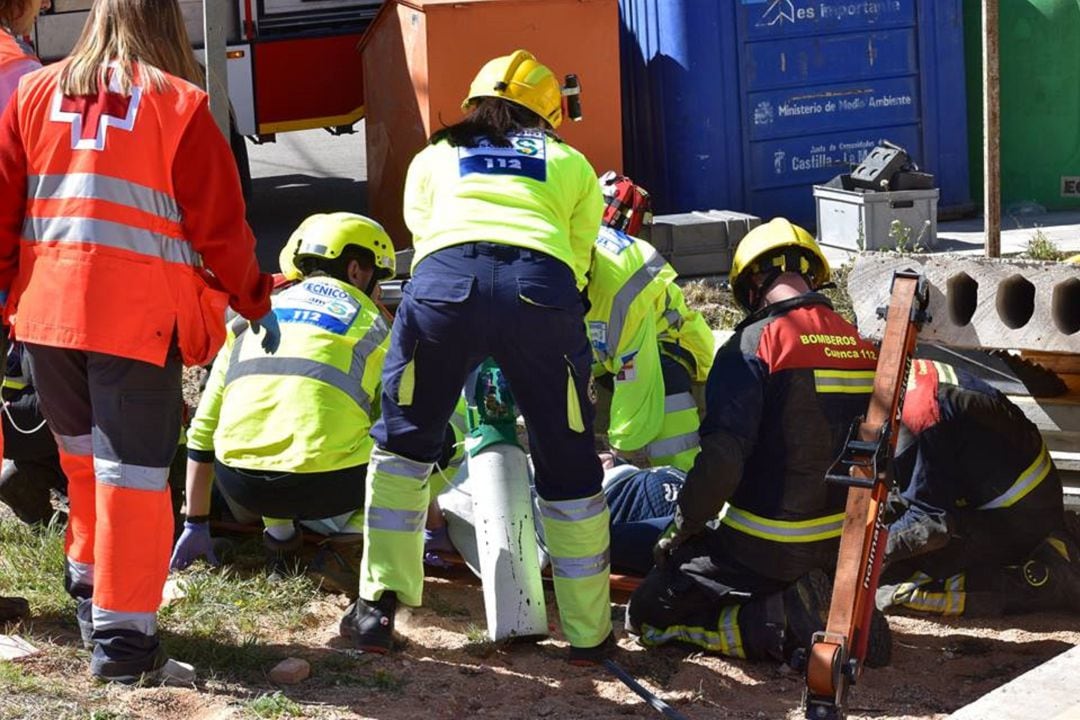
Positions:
{"x": 287, "y": 436}
{"x": 504, "y": 217}
{"x": 648, "y": 345}
{"x": 755, "y": 516}
{"x": 979, "y": 526}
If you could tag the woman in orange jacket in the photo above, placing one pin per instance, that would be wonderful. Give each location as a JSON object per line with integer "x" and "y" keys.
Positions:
{"x": 118, "y": 194}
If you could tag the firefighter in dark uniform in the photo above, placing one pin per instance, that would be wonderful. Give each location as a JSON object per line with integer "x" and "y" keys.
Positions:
{"x": 742, "y": 570}
{"x": 979, "y": 526}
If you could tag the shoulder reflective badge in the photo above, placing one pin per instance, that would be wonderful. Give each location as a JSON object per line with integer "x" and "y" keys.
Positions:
{"x": 613, "y": 241}
{"x": 525, "y": 157}
{"x": 319, "y": 303}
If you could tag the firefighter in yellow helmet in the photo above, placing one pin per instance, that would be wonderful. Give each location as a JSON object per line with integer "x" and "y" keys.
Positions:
{"x": 504, "y": 216}
{"x": 780, "y": 398}
{"x": 648, "y": 345}
{"x": 286, "y": 435}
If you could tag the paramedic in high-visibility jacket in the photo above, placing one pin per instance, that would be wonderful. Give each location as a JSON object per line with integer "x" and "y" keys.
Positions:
{"x": 649, "y": 346}
{"x": 117, "y": 193}
{"x": 504, "y": 216}
{"x": 287, "y": 435}
{"x": 979, "y": 525}
{"x": 742, "y": 572}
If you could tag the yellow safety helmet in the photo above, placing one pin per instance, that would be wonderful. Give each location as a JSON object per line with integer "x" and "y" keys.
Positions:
{"x": 326, "y": 235}
{"x": 770, "y": 246}
{"x": 520, "y": 78}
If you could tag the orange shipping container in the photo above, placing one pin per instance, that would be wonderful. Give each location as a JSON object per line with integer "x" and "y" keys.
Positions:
{"x": 419, "y": 57}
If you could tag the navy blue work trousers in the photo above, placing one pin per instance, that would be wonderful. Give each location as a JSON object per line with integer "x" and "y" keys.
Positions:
{"x": 469, "y": 302}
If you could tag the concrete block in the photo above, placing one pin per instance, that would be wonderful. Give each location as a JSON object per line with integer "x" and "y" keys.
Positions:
{"x": 1048, "y": 691}
{"x": 13, "y": 647}
{"x": 290, "y": 671}
{"x": 700, "y": 242}
{"x": 978, "y": 302}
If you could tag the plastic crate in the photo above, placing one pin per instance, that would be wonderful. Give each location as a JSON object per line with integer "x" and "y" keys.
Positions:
{"x": 901, "y": 219}
{"x": 699, "y": 243}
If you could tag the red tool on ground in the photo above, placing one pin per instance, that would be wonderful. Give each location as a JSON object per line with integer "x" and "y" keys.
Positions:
{"x": 835, "y": 658}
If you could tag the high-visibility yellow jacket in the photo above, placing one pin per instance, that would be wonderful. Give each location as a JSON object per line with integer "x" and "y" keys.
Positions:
{"x": 538, "y": 193}
{"x": 636, "y": 313}
{"x": 309, "y": 407}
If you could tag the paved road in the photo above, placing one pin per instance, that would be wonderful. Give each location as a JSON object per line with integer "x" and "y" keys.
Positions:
{"x": 303, "y": 173}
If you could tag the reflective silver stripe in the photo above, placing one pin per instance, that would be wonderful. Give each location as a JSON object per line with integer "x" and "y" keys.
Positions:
{"x": 624, "y": 298}
{"x": 574, "y": 510}
{"x": 674, "y": 319}
{"x": 77, "y": 444}
{"x": 731, "y": 640}
{"x": 458, "y": 422}
{"x": 846, "y": 381}
{"x": 410, "y": 521}
{"x": 927, "y": 601}
{"x": 580, "y": 567}
{"x": 350, "y": 383}
{"x": 132, "y": 477}
{"x": 679, "y": 401}
{"x": 946, "y": 373}
{"x": 239, "y": 325}
{"x": 696, "y": 635}
{"x": 1028, "y": 481}
{"x": 92, "y": 186}
{"x": 301, "y": 367}
{"x": 385, "y": 463}
{"x": 140, "y": 622}
{"x": 80, "y": 573}
{"x": 783, "y": 530}
{"x": 105, "y": 233}
{"x": 955, "y": 595}
{"x": 673, "y": 445}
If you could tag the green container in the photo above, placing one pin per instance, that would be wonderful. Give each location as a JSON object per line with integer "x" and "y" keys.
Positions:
{"x": 1040, "y": 100}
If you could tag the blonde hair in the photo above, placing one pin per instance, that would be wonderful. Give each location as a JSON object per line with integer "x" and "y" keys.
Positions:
{"x": 122, "y": 33}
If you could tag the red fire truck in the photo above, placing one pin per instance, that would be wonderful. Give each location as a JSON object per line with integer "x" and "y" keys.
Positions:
{"x": 292, "y": 64}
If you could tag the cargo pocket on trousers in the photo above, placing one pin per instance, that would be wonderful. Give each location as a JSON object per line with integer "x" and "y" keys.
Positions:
{"x": 574, "y": 419}
{"x": 547, "y": 295}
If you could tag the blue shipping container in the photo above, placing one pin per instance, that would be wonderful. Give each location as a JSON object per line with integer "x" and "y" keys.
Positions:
{"x": 745, "y": 104}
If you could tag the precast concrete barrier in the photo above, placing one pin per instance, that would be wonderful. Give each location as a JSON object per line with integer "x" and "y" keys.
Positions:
{"x": 978, "y": 302}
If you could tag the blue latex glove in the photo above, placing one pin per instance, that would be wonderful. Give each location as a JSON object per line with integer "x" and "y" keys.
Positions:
{"x": 271, "y": 331}
{"x": 194, "y": 543}
{"x": 435, "y": 541}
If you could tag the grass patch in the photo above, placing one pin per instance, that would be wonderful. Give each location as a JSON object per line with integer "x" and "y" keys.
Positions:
{"x": 442, "y": 607}
{"x": 1040, "y": 247}
{"x": 274, "y": 705}
{"x": 478, "y": 644}
{"x": 841, "y": 301}
{"x": 351, "y": 670}
{"x": 32, "y": 566}
{"x": 714, "y": 302}
{"x": 15, "y": 680}
{"x": 226, "y": 616}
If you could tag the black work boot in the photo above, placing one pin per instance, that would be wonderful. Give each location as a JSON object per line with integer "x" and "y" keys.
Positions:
{"x": 1050, "y": 578}
{"x": 370, "y": 624}
{"x": 592, "y": 656}
{"x": 282, "y": 556}
{"x": 879, "y": 647}
{"x": 806, "y": 609}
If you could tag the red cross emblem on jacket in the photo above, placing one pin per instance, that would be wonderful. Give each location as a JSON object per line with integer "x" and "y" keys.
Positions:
{"x": 91, "y": 116}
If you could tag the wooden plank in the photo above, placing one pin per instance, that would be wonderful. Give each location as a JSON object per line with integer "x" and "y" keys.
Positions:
{"x": 1045, "y": 692}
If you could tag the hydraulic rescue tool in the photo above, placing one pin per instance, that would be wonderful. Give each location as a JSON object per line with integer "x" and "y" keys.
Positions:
{"x": 835, "y": 658}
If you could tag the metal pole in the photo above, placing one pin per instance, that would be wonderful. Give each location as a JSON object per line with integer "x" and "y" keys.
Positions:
{"x": 991, "y": 127}
{"x": 214, "y": 19}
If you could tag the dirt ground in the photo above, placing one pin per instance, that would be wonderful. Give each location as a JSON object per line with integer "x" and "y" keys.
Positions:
{"x": 446, "y": 671}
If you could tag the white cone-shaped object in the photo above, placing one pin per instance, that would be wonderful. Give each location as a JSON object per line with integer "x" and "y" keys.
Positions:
{"x": 506, "y": 542}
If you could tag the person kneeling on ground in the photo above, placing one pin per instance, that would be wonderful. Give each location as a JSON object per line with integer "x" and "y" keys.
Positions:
{"x": 287, "y": 435}
{"x": 751, "y": 582}
{"x": 980, "y": 525}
